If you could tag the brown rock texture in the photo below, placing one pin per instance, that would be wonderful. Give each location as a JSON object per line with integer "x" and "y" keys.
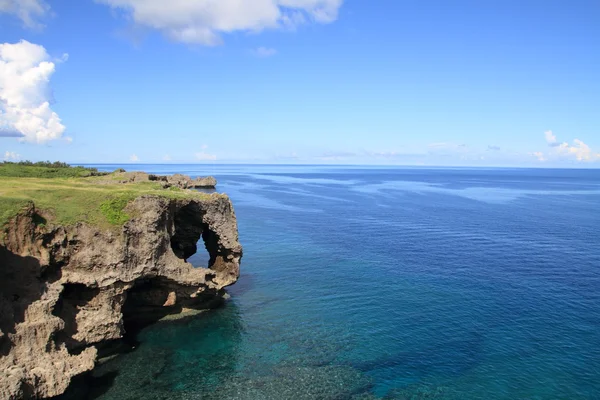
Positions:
{"x": 66, "y": 290}
{"x": 176, "y": 180}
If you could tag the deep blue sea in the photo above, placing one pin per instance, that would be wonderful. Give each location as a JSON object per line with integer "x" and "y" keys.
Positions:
{"x": 393, "y": 283}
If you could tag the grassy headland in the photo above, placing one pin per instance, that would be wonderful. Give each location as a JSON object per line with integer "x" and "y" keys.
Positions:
{"x": 67, "y": 195}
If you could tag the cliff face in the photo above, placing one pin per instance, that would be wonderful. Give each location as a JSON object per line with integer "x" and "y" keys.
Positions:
{"x": 66, "y": 290}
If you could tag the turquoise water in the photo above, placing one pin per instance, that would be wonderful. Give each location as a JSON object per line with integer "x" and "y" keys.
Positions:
{"x": 398, "y": 283}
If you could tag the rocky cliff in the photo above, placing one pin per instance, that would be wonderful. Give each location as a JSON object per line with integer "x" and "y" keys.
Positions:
{"x": 67, "y": 290}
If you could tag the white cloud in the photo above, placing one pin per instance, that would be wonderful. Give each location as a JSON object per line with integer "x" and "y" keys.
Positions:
{"x": 204, "y": 21}
{"x": 28, "y": 11}
{"x": 539, "y": 155}
{"x": 25, "y": 72}
{"x": 550, "y": 138}
{"x": 11, "y": 156}
{"x": 579, "y": 150}
{"x": 166, "y": 157}
{"x": 134, "y": 158}
{"x": 264, "y": 52}
{"x": 204, "y": 156}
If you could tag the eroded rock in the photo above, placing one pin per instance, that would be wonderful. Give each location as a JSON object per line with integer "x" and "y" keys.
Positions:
{"x": 176, "y": 180}
{"x": 66, "y": 290}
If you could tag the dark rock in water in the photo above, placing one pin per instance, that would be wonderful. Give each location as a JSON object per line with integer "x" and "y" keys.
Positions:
{"x": 65, "y": 290}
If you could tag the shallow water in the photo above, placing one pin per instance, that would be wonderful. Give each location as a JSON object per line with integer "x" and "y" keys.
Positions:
{"x": 397, "y": 283}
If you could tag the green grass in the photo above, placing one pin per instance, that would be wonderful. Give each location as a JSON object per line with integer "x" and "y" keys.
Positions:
{"x": 67, "y": 200}
{"x": 40, "y": 171}
{"x": 113, "y": 209}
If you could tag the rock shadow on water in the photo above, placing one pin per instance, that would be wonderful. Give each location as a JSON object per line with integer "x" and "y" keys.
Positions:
{"x": 205, "y": 357}
{"x": 171, "y": 359}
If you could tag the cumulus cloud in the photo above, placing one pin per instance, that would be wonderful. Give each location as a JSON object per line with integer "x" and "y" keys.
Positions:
{"x": 264, "y": 52}
{"x": 11, "y": 156}
{"x": 204, "y": 21}
{"x": 134, "y": 158}
{"x": 25, "y": 72}
{"x": 551, "y": 139}
{"x": 28, "y": 11}
{"x": 579, "y": 150}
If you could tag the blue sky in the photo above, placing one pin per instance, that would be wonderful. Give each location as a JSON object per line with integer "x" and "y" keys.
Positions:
{"x": 495, "y": 83}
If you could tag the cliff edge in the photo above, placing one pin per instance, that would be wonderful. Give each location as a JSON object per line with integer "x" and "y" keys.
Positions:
{"x": 67, "y": 289}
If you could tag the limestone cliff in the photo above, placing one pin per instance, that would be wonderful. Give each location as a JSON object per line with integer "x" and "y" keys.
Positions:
{"x": 66, "y": 290}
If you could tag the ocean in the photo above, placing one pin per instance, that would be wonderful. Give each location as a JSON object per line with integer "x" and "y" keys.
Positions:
{"x": 389, "y": 283}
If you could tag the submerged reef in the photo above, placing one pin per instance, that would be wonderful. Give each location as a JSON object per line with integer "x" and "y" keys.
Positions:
{"x": 74, "y": 279}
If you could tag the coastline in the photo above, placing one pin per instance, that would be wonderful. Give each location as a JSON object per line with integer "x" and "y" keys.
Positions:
{"x": 91, "y": 282}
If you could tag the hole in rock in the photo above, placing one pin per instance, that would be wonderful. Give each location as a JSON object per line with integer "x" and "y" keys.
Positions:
{"x": 201, "y": 258}
{"x": 145, "y": 304}
{"x": 152, "y": 299}
{"x": 192, "y": 240}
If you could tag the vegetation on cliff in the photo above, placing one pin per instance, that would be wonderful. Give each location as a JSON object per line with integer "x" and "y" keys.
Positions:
{"x": 68, "y": 289}
{"x": 66, "y": 195}
{"x": 45, "y": 169}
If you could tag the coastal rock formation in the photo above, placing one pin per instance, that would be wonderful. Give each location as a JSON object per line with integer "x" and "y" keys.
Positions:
{"x": 66, "y": 291}
{"x": 176, "y": 180}
{"x": 185, "y": 182}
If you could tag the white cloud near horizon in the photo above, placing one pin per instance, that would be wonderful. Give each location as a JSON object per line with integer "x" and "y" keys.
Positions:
{"x": 539, "y": 155}
{"x": 204, "y": 21}
{"x": 579, "y": 150}
{"x": 134, "y": 158}
{"x": 28, "y": 11}
{"x": 11, "y": 156}
{"x": 25, "y": 72}
{"x": 204, "y": 156}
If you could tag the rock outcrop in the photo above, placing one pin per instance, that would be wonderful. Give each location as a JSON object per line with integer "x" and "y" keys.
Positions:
{"x": 176, "y": 180}
{"x": 65, "y": 291}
